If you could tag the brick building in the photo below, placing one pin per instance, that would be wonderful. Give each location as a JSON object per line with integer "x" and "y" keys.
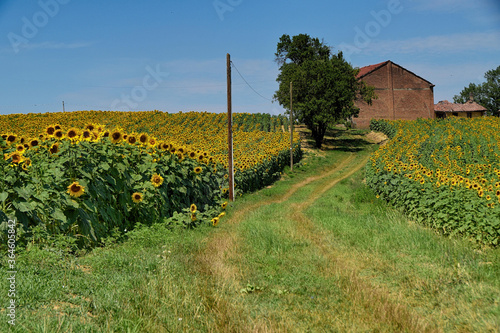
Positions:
{"x": 401, "y": 94}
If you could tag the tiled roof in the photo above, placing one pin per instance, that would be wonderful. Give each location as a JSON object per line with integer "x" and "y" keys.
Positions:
{"x": 368, "y": 69}
{"x": 445, "y": 106}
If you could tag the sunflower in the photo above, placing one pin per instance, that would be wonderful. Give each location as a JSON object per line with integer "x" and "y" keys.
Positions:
{"x": 34, "y": 143}
{"x": 75, "y": 190}
{"x": 131, "y": 139}
{"x": 143, "y": 138}
{"x": 26, "y": 164}
{"x": 221, "y": 215}
{"x": 157, "y": 180}
{"x": 20, "y": 149}
{"x": 54, "y": 149}
{"x": 11, "y": 138}
{"x": 58, "y": 134}
{"x": 16, "y": 157}
{"x": 198, "y": 170}
{"x": 224, "y": 205}
{"x": 50, "y": 130}
{"x": 137, "y": 197}
{"x": 192, "y": 155}
{"x": 57, "y": 127}
{"x": 193, "y": 208}
{"x": 215, "y": 221}
{"x": 90, "y": 127}
{"x": 116, "y": 136}
{"x": 72, "y": 133}
{"x": 180, "y": 156}
{"x": 152, "y": 142}
{"x": 193, "y": 217}
{"x": 86, "y": 135}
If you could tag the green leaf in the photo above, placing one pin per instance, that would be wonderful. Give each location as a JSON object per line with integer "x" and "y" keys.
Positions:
{"x": 59, "y": 215}
{"x": 3, "y": 196}
{"x": 105, "y": 166}
{"x": 23, "y": 206}
{"x": 136, "y": 177}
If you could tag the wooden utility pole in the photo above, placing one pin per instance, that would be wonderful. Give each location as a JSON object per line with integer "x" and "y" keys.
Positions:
{"x": 63, "y": 106}
{"x": 230, "y": 130}
{"x": 291, "y": 126}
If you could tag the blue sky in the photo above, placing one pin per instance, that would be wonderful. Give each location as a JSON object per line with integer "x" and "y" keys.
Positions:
{"x": 170, "y": 55}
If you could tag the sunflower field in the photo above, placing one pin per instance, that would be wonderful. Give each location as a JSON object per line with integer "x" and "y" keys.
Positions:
{"x": 444, "y": 173}
{"x": 85, "y": 174}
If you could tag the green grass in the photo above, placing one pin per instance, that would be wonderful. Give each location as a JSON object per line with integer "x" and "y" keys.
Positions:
{"x": 319, "y": 261}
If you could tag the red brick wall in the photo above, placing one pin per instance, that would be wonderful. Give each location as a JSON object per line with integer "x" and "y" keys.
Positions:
{"x": 401, "y": 95}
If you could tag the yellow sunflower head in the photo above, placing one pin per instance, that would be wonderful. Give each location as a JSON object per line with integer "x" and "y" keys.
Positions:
{"x": 193, "y": 208}
{"x": 11, "y": 138}
{"x": 224, "y": 205}
{"x": 131, "y": 139}
{"x": 26, "y": 164}
{"x": 50, "y": 130}
{"x": 193, "y": 217}
{"x": 90, "y": 127}
{"x": 16, "y": 157}
{"x": 34, "y": 143}
{"x": 198, "y": 170}
{"x": 72, "y": 134}
{"x": 54, "y": 149}
{"x": 58, "y": 134}
{"x": 215, "y": 221}
{"x": 137, "y": 197}
{"x": 157, "y": 180}
{"x": 75, "y": 190}
{"x": 86, "y": 134}
{"x": 143, "y": 138}
{"x": 116, "y": 136}
{"x": 20, "y": 149}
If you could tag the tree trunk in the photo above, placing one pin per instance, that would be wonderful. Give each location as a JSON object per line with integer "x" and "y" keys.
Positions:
{"x": 318, "y": 133}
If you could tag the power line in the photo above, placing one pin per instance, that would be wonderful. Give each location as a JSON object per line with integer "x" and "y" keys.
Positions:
{"x": 255, "y": 91}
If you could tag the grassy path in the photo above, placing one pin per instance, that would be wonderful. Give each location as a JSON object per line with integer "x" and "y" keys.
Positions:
{"x": 274, "y": 250}
{"x": 316, "y": 252}
{"x": 373, "y": 303}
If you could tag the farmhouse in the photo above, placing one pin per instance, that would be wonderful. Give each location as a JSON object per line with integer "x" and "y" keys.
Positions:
{"x": 470, "y": 109}
{"x": 401, "y": 94}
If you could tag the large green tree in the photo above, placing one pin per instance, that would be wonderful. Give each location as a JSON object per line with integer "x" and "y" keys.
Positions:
{"x": 486, "y": 94}
{"x": 324, "y": 84}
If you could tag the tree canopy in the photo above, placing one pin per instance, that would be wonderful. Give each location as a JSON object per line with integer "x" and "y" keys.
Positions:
{"x": 324, "y": 84}
{"x": 486, "y": 94}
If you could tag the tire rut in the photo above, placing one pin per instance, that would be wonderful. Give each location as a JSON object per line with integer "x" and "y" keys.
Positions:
{"x": 222, "y": 247}
{"x": 384, "y": 307}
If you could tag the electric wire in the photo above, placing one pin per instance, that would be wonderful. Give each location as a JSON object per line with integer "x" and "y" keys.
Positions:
{"x": 255, "y": 91}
